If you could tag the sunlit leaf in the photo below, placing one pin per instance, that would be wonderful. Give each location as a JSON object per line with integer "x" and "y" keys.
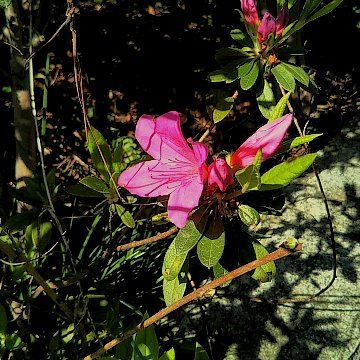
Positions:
{"x": 265, "y": 272}
{"x": 266, "y": 100}
{"x": 279, "y": 108}
{"x": 284, "y": 77}
{"x": 284, "y": 173}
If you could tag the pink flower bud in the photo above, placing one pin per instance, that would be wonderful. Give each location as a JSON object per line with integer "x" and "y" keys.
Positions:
{"x": 266, "y": 27}
{"x": 220, "y": 174}
{"x": 249, "y": 10}
{"x": 282, "y": 20}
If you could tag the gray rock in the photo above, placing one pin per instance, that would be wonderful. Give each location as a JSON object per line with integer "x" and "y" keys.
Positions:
{"x": 327, "y": 328}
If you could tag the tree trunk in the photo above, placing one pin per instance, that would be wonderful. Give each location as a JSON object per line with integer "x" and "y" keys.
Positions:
{"x": 23, "y": 120}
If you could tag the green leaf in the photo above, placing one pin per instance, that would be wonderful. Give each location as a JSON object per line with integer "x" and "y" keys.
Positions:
{"x": 147, "y": 343}
{"x": 125, "y": 216}
{"x": 118, "y": 156}
{"x": 124, "y": 350}
{"x": 247, "y": 81}
{"x": 41, "y": 233}
{"x": 210, "y": 250}
{"x": 325, "y": 10}
{"x": 96, "y": 184}
{"x": 5, "y": 3}
{"x": 245, "y": 68}
{"x": 99, "y": 149}
{"x": 300, "y": 140}
{"x": 248, "y": 215}
{"x": 169, "y": 355}
{"x": 177, "y": 252}
{"x": 174, "y": 290}
{"x": 298, "y": 73}
{"x": 220, "y": 271}
{"x": 265, "y": 272}
{"x": 249, "y": 178}
{"x": 50, "y": 178}
{"x": 241, "y": 37}
{"x": 284, "y": 173}
{"x": 13, "y": 342}
{"x": 83, "y": 191}
{"x": 266, "y": 100}
{"x": 20, "y": 222}
{"x": 224, "y": 55}
{"x": 284, "y": 77}
{"x": 222, "y": 109}
{"x": 3, "y": 320}
{"x": 279, "y": 108}
{"x": 200, "y": 353}
{"x": 309, "y": 7}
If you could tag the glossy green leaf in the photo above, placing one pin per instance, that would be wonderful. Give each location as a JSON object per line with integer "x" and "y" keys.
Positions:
{"x": 210, "y": 250}
{"x": 177, "y": 252}
{"x": 284, "y": 77}
{"x": 96, "y": 184}
{"x": 125, "y": 216}
{"x": 83, "y": 191}
{"x": 169, "y": 355}
{"x": 265, "y": 272}
{"x": 266, "y": 100}
{"x": 100, "y": 151}
{"x": 325, "y": 10}
{"x": 298, "y": 73}
{"x": 300, "y": 140}
{"x": 222, "y": 109}
{"x": 248, "y": 215}
{"x": 284, "y": 173}
{"x": 200, "y": 353}
{"x": 174, "y": 290}
{"x": 220, "y": 271}
{"x": 279, "y": 108}
{"x": 247, "y": 81}
{"x": 147, "y": 343}
{"x": 245, "y": 68}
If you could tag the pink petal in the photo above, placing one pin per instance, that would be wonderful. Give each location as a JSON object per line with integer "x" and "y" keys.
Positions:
{"x": 149, "y": 179}
{"x": 268, "y": 138}
{"x": 184, "y": 199}
{"x": 266, "y": 27}
{"x": 201, "y": 151}
{"x": 249, "y": 10}
{"x": 282, "y": 19}
{"x": 163, "y": 140}
{"x": 220, "y": 174}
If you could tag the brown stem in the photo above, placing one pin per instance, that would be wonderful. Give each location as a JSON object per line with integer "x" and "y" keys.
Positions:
{"x": 198, "y": 293}
{"x": 149, "y": 240}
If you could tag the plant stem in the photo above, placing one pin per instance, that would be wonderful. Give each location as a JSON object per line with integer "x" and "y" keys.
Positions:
{"x": 198, "y": 293}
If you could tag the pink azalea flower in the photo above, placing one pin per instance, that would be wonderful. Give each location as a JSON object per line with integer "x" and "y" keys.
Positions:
{"x": 282, "y": 20}
{"x": 267, "y": 138}
{"x": 220, "y": 175}
{"x": 249, "y": 10}
{"x": 266, "y": 27}
{"x": 177, "y": 170}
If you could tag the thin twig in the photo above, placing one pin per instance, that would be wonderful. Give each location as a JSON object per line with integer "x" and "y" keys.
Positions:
{"x": 149, "y": 240}
{"x": 199, "y": 293}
